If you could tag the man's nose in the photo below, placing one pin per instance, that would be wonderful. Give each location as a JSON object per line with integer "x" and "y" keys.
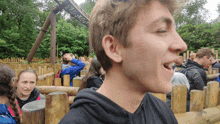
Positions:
{"x": 178, "y": 45}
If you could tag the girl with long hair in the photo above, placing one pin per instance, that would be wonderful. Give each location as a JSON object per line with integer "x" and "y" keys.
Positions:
{"x": 7, "y": 95}
{"x": 94, "y": 76}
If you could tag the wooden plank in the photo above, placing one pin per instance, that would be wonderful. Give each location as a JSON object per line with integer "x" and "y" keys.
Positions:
{"x": 196, "y": 100}
{"x": 57, "y": 82}
{"x": 212, "y": 94}
{"x": 178, "y": 98}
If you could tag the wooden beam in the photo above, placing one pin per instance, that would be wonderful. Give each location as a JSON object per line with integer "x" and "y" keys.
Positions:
{"x": 49, "y": 89}
{"x": 53, "y": 38}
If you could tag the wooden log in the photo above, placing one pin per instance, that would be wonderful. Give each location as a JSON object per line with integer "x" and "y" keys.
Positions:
{"x": 49, "y": 89}
{"x": 34, "y": 112}
{"x": 160, "y": 96}
{"x": 53, "y": 38}
{"x": 196, "y": 100}
{"x": 57, "y": 105}
{"x": 206, "y": 116}
{"x": 212, "y": 94}
{"x": 178, "y": 98}
{"x": 71, "y": 98}
{"x": 66, "y": 80}
{"x": 216, "y": 53}
{"x": 212, "y": 76}
{"x": 76, "y": 81}
{"x": 45, "y": 75}
{"x": 57, "y": 82}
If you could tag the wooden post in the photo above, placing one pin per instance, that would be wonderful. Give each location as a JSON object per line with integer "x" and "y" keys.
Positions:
{"x": 76, "y": 81}
{"x": 216, "y": 54}
{"x": 210, "y": 70}
{"x": 66, "y": 80}
{"x": 205, "y": 94}
{"x": 160, "y": 96}
{"x": 57, "y": 105}
{"x": 184, "y": 56}
{"x": 53, "y": 38}
{"x": 57, "y": 82}
{"x": 43, "y": 32}
{"x": 212, "y": 94}
{"x": 187, "y": 55}
{"x": 71, "y": 98}
{"x": 34, "y": 112}
{"x": 196, "y": 100}
{"x": 83, "y": 72}
{"x": 178, "y": 98}
{"x": 218, "y": 97}
{"x": 49, "y": 80}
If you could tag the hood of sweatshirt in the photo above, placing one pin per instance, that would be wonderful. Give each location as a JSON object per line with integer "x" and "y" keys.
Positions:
{"x": 101, "y": 109}
{"x": 100, "y": 106}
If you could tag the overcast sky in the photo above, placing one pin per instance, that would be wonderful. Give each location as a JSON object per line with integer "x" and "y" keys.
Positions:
{"x": 211, "y": 6}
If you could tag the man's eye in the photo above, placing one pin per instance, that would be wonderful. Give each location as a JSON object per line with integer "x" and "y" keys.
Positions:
{"x": 162, "y": 31}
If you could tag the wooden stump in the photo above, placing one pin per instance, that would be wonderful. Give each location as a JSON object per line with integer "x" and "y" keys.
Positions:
{"x": 34, "y": 112}
{"x": 57, "y": 105}
{"x": 76, "y": 81}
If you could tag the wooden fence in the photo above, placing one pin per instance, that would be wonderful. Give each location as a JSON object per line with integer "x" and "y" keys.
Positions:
{"x": 204, "y": 105}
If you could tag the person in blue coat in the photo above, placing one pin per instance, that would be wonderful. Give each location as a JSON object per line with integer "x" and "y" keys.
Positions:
{"x": 7, "y": 95}
{"x": 71, "y": 66}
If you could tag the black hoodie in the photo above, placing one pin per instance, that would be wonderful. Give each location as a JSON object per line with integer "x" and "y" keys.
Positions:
{"x": 33, "y": 96}
{"x": 90, "y": 107}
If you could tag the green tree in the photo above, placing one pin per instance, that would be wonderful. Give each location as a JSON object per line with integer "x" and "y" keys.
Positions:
{"x": 193, "y": 13}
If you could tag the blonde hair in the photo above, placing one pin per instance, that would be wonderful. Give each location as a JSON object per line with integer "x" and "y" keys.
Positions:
{"x": 116, "y": 18}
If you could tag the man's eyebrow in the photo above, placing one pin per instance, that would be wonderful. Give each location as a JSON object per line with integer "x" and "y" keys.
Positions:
{"x": 167, "y": 20}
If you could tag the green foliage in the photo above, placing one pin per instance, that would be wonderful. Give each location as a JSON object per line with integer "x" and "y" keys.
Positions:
{"x": 203, "y": 35}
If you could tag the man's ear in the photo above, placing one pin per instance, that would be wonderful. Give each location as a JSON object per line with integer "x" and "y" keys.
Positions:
{"x": 112, "y": 48}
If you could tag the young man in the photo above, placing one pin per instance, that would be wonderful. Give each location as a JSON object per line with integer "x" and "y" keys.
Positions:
{"x": 135, "y": 41}
{"x": 196, "y": 74}
{"x": 71, "y": 66}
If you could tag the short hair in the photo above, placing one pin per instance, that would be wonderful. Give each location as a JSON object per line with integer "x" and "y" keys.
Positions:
{"x": 204, "y": 52}
{"x": 65, "y": 61}
{"x": 116, "y": 18}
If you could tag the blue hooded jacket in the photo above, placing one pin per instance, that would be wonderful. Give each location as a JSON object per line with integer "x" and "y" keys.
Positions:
{"x": 72, "y": 70}
{"x": 5, "y": 116}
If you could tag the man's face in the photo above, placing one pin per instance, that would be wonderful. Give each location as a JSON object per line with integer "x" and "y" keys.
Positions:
{"x": 154, "y": 45}
{"x": 207, "y": 61}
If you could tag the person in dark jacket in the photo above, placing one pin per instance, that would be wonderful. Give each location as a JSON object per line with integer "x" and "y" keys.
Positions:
{"x": 135, "y": 41}
{"x": 71, "y": 66}
{"x": 94, "y": 77}
{"x": 215, "y": 63}
{"x": 7, "y": 95}
{"x": 196, "y": 74}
